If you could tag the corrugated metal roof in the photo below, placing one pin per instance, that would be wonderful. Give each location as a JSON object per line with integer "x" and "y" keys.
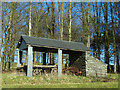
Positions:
{"x": 52, "y": 43}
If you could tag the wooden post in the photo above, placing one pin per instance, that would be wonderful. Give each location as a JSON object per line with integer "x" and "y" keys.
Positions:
{"x": 59, "y": 62}
{"x": 44, "y": 58}
{"x": 30, "y": 61}
{"x": 87, "y": 55}
{"x": 86, "y": 64}
{"x": 71, "y": 59}
{"x": 18, "y": 61}
{"x": 20, "y": 52}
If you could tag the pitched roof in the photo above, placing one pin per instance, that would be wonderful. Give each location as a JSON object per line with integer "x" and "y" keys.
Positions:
{"x": 52, "y": 43}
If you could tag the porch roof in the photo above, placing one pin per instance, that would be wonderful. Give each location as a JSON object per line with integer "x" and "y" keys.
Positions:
{"x": 38, "y": 42}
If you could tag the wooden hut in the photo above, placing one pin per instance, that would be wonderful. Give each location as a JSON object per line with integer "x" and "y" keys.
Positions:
{"x": 78, "y": 54}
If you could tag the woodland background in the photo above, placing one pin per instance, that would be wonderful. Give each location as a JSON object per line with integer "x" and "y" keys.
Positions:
{"x": 96, "y": 24}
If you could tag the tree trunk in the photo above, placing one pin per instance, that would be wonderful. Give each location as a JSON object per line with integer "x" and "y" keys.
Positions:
{"x": 34, "y": 55}
{"x": 52, "y": 31}
{"x": 53, "y": 20}
{"x": 70, "y": 23}
{"x": 106, "y": 38}
{"x": 62, "y": 22}
{"x": 88, "y": 29}
{"x": 38, "y": 57}
{"x": 10, "y": 36}
{"x": 61, "y": 26}
{"x": 114, "y": 39}
{"x": 51, "y": 59}
{"x": 117, "y": 41}
{"x": 117, "y": 56}
{"x": 98, "y": 31}
{"x": 30, "y": 18}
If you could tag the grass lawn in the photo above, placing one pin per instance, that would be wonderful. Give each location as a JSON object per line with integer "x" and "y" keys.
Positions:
{"x": 11, "y": 80}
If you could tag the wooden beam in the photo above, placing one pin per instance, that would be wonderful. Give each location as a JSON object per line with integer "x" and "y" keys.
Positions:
{"x": 59, "y": 62}
{"x": 30, "y": 61}
{"x": 18, "y": 60}
{"x": 87, "y": 55}
{"x": 20, "y": 52}
{"x": 45, "y": 66}
{"x": 44, "y": 58}
{"x": 71, "y": 59}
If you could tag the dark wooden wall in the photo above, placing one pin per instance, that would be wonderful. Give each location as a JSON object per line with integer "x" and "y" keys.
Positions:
{"x": 77, "y": 59}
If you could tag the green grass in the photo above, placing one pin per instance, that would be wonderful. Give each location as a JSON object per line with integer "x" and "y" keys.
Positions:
{"x": 64, "y": 85}
{"x": 11, "y": 80}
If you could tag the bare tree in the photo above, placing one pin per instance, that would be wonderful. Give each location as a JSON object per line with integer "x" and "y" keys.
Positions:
{"x": 88, "y": 28}
{"x": 60, "y": 20}
{"x": 10, "y": 36}
{"x": 30, "y": 18}
{"x": 106, "y": 36}
{"x": 70, "y": 23}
